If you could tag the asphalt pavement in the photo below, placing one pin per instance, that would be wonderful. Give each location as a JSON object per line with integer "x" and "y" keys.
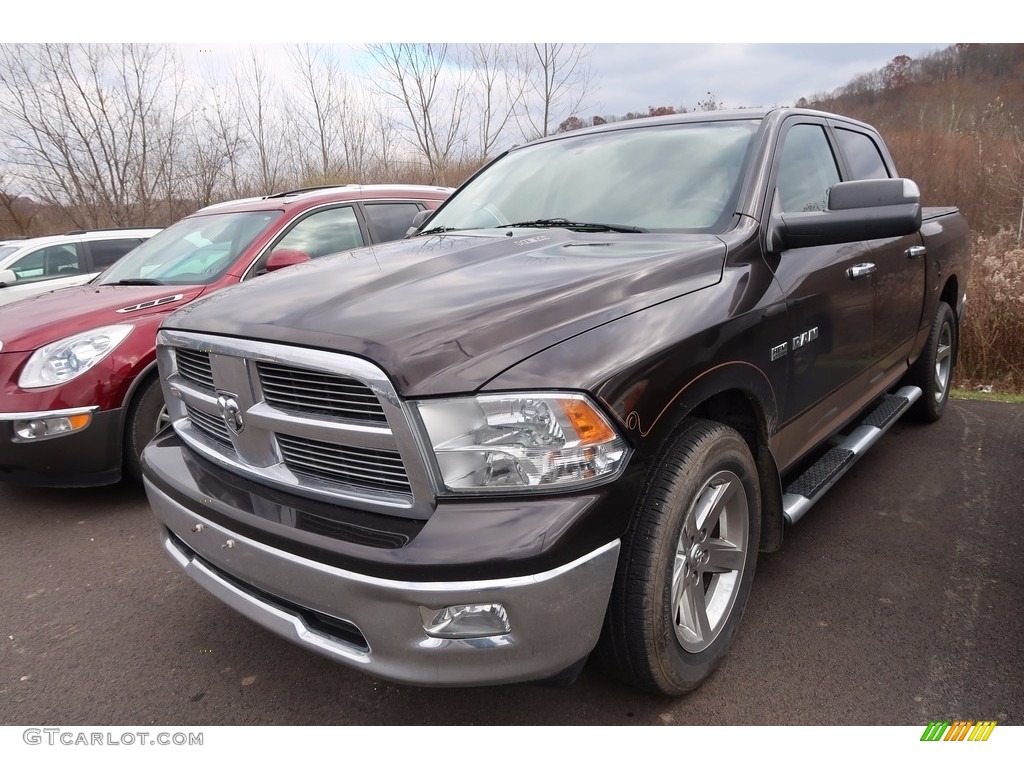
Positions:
{"x": 898, "y": 600}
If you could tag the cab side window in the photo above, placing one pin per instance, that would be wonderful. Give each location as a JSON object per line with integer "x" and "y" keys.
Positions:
{"x": 807, "y": 170}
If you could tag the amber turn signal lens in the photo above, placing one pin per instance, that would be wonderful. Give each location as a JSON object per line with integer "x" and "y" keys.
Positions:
{"x": 589, "y": 424}
{"x": 77, "y": 422}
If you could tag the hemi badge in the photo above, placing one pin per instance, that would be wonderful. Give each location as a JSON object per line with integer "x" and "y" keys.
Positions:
{"x": 780, "y": 351}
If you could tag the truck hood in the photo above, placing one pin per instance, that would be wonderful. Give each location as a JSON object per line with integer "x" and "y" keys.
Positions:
{"x": 445, "y": 314}
{"x": 33, "y": 322}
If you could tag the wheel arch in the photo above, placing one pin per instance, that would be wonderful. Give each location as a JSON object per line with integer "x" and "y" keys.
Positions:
{"x": 740, "y": 396}
{"x": 142, "y": 377}
{"x": 951, "y": 295}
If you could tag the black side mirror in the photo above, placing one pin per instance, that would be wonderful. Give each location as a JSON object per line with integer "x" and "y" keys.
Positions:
{"x": 871, "y": 209}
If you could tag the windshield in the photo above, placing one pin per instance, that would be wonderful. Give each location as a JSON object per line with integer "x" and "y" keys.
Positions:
{"x": 7, "y": 250}
{"x": 668, "y": 177}
{"x": 195, "y": 251}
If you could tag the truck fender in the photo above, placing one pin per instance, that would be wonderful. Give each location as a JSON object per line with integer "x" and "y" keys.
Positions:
{"x": 736, "y": 393}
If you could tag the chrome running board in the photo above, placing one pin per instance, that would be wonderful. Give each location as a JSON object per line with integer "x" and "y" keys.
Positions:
{"x": 801, "y": 494}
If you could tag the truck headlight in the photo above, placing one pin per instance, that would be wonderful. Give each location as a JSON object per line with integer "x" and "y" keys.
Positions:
{"x": 521, "y": 441}
{"x": 71, "y": 357}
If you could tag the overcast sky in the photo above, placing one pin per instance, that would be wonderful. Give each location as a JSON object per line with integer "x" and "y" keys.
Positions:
{"x": 646, "y": 52}
{"x": 633, "y": 77}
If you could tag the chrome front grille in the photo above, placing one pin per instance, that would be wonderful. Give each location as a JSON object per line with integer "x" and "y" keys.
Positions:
{"x": 210, "y": 426}
{"x": 382, "y": 470}
{"x": 195, "y": 366}
{"x": 295, "y": 389}
{"x": 321, "y": 424}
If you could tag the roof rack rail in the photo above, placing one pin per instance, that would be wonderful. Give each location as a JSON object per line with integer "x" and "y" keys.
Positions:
{"x": 305, "y": 189}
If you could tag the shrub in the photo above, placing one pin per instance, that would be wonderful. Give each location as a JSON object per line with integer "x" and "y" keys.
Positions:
{"x": 992, "y": 336}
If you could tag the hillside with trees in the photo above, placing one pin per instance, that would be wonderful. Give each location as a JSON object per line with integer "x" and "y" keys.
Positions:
{"x": 954, "y": 121}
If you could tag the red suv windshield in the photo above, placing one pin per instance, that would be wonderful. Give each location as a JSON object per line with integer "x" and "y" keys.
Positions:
{"x": 195, "y": 251}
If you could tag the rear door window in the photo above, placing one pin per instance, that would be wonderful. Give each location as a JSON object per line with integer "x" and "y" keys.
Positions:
{"x": 52, "y": 261}
{"x": 862, "y": 155}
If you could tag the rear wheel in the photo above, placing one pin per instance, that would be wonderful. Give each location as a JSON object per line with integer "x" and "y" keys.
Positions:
{"x": 687, "y": 563}
{"x": 146, "y": 416}
{"x": 933, "y": 371}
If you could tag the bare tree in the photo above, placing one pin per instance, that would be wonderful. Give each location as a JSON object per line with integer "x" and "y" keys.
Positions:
{"x": 366, "y": 134}
{"x": 497, "y": 89}
{"x": 333, "y": 119}
{"x": 708, "y": 103}
{"x": 386, "y": 164}
{"x": 16, "y": 212}
{"x": 316, "y": 108}
{"x": 429, "y": 87}
{"x": 223, "y": 119}
{"x": 558, "y": 81}
{"x": 261, "y": 126}
{"x": 207, "y": 166}
{"x": 92, "y": 127}
{"x": 1018, "y": 186}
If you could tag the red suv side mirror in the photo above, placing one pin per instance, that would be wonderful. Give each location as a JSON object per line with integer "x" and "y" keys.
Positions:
{"x": 285, "y": 257}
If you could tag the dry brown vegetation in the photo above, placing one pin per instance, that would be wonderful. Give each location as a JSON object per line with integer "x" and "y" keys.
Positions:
{"x": 954, "y": 122}
{"x": 992, "y": 336}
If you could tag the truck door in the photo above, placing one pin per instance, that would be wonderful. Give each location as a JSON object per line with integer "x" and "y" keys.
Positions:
{"x": 831, "y": 303}
{"x": 899, "y": 264}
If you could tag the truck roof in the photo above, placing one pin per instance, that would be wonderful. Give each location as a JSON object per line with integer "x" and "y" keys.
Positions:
{"x": 776, "y": 114}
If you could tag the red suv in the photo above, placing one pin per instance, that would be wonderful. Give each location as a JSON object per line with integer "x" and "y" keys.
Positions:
{"x": 79, "y": 392}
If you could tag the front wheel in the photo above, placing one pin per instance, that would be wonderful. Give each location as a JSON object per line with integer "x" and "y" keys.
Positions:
{"x": 146, "y": 416}
{"x": 686, "y": 564}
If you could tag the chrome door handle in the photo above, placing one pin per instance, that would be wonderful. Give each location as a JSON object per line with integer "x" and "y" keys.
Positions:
{"x": 916, "y": 251}
{"x": 857, "y": 271}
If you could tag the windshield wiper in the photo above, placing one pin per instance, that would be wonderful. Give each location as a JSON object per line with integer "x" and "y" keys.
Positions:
{"x": 139, "y": 281}
{"x": 583, "y": 226}
{"x": 438, "y": 230}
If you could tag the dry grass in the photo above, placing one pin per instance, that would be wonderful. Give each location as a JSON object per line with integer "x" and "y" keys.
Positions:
{"x": 992, "y": 336}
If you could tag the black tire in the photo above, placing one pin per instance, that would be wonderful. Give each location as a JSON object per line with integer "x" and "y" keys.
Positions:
{"x": 145, "y": 415}
{"x": 933, "y": 371}
{"x": 653, "y": 637}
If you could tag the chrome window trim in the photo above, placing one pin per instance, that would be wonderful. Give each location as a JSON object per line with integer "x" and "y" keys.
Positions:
{"x": 233, "y": 364}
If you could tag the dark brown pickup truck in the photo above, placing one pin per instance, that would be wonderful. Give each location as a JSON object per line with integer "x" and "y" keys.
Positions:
{"x": 564, "y": 416}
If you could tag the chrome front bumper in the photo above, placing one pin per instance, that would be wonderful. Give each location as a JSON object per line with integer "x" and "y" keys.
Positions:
{"x": 555, "y": 617}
